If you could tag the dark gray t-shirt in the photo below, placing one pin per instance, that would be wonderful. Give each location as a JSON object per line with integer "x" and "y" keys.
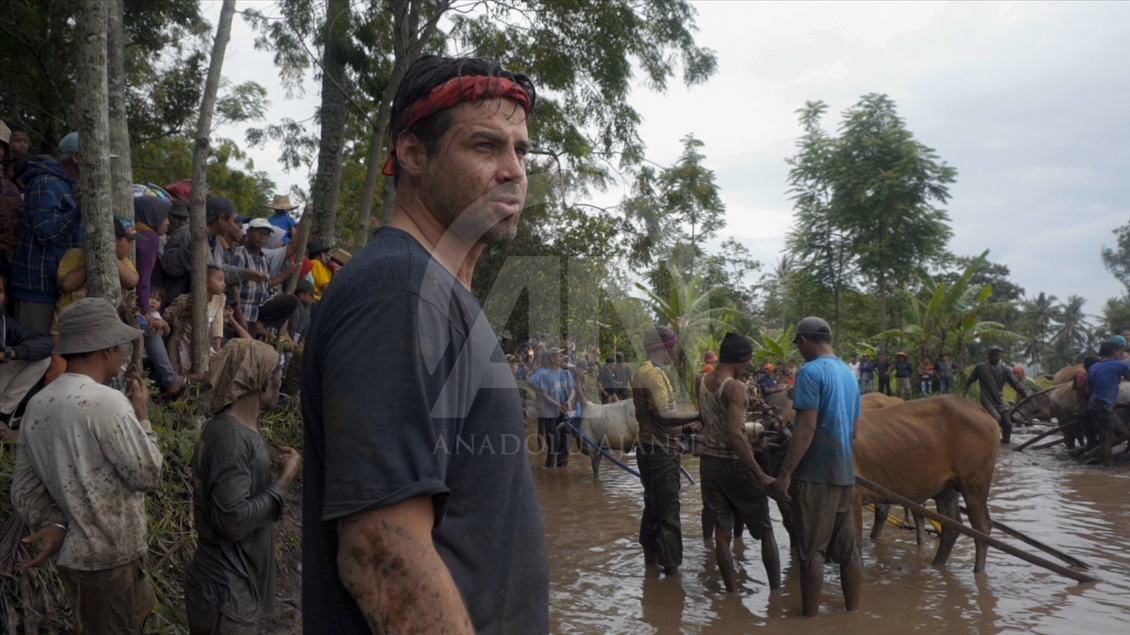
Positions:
{"x": 235, "y": 505}
{"x": 406, "y": 393}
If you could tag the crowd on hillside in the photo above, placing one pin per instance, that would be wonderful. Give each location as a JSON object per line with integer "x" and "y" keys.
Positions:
{"x": 43, "y": 270}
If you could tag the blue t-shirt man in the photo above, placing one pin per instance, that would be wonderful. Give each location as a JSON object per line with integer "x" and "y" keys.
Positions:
{"x": 1103, "y": 379}
{"x": 828, "y": 386}
{"x": 285, "y": 222}
{"x": 558, "y": 383}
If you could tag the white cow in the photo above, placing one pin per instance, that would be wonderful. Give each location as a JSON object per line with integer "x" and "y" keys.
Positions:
{"x": 613, "y": 426}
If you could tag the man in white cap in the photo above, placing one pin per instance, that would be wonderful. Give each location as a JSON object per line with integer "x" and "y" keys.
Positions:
{"x": 86, "y": 456}
{"x": 255, "y": 294}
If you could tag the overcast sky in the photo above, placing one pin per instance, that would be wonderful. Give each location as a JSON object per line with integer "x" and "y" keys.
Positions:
{"x": 1030, "y": 102}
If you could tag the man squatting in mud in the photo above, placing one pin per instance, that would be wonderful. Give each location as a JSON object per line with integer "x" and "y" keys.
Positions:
{"x": 397, "y": 536}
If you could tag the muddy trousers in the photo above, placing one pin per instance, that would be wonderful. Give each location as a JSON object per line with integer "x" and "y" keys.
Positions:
{"x": 661, "y": 531}
{"x": 556, "y": 441}
{"x": 1000, "y": 413}
{"x": 111, "y": 601}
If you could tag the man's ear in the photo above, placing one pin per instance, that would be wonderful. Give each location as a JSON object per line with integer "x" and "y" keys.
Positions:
{"x": 411, "y": 154}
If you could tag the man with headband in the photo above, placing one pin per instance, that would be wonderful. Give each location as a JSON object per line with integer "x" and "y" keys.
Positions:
{"x": 419, "y": 508}
{"x": 733, "y": 484}
{"x": 658, "y": 451}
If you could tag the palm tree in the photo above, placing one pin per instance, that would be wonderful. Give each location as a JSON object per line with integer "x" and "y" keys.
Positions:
{"x": 689, "y": 313}
{"x": 946, "y": 316}
{"x": 1039, "y": 317}
{"x": 1075, "y": 329}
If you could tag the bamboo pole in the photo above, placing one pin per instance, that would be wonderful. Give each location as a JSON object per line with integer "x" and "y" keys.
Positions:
{"x": 1049, "y": 444}
{"x": 1071, "y": 560}
{"x": 976, "y": 535}
{"x": 1046, "y": 433}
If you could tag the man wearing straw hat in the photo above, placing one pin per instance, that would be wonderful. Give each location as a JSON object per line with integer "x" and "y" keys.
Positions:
{"x": 86, "y": 456}
{"x": 282, "y": 218}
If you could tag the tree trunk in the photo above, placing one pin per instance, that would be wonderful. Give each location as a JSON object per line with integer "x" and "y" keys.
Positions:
{"x": 882, "y": 289}
{"x": 332, "y": 114}
{"x": 373, "y": 170}
{"x": 94, "y": 153}
{"x": 121, "y": 169}
{"x": 197, "y": 217}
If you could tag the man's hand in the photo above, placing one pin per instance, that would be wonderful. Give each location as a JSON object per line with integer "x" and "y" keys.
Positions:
{"x": 692, "y": 427}
{"x": 52, "y": 537}
{"x": 779, "y": 488}
{"x": 257, "y": 276}
{"x": 290, "y": 461}
{"x": 138, "y": 395}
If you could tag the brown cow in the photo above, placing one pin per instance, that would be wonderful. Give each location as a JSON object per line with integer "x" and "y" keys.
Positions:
{"x": 876, "y": 400}
{"x": 930, "y": 448}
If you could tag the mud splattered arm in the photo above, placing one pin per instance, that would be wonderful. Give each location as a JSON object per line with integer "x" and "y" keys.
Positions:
{"x": 388, "y": 562}
{"x": 735, "y": 432}
{"x": 30, "y": 496}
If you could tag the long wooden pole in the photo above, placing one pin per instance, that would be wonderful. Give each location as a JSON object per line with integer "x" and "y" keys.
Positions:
{"x": 1071, "y": 560}
{"x": 1046, "y": 433}
{"x": 976, "y": 535}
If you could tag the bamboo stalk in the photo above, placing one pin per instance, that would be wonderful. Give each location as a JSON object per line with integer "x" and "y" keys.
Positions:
{"x": 1071, "y": 560}
{"x": 1045, "y": 433}
{"x": 976, "y": 535}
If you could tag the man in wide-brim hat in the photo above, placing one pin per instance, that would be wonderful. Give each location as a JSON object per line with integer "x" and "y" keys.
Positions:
{"x": 86, "y": 456}
{"x": 282, "y": 218}
{"x": 903, "y": 371}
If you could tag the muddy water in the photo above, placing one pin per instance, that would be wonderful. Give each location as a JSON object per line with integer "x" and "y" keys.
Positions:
{"x": 599, "y": 584}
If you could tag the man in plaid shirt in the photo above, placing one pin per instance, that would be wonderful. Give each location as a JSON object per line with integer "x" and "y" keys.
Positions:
{"x": 51, "y": 225}
{"x": 258, "y": 300}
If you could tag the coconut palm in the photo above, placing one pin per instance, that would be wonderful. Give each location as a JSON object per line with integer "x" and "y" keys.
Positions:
{"x": 1039, "y": 317}
{"x": 1075, "y": 328}
{"x": 689, "y": 313}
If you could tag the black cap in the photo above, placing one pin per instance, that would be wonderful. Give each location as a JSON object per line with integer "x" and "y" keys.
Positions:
{"x": 812, "y": 326}
{"x": 995, "y": 349}
{"x": 304, "y": 286}
{"x": 218, "y": 206}
{"x": 179, "y": 208}
{"x": 735, "y": 349}
{"x": 313, "y": 248}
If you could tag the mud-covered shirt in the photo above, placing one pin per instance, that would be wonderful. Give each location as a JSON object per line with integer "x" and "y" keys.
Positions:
{"x": 650, "y": 385}
{"x": 83, "y": 456}
{"x": 235, "y": 503}
{"x": 827, "y": 386}
{"x": 406, "y": 394}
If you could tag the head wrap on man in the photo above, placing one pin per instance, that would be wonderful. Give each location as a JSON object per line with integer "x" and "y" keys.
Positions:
{"x": 242, "y": 367}
{"x": 735, "y": 349}
{"x": 659, "y": 337}
{"x": 469, "y": 87}
{"x": 150, "y": 212}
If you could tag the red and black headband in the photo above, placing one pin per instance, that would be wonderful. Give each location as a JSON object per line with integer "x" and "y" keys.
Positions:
{"x": 452, "y": 93}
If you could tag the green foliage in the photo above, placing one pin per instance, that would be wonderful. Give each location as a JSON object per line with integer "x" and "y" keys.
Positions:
{"x": 1117, "y": 261}
{"x": 165, "y": 160}
{"x": 947, "y": 316}
{"x": 672, "y": 212}
{"x": 581, "y": 55}
{"x": 165, "y": 58}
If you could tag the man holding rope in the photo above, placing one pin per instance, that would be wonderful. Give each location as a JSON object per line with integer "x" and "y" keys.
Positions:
{"x": 658, "y": 452}
{"x": 733, "y": 484}
{"x": 820, "y": 460}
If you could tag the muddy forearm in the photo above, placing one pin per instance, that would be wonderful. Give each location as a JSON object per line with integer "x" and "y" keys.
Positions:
{"x": 803, "y": 432}
{"x": 396, "y": 577}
